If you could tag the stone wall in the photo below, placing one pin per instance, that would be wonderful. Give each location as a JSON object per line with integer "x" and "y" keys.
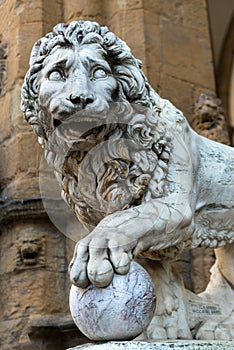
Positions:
{"x": 172, "y": 40}
{"x": 170, "y": 37}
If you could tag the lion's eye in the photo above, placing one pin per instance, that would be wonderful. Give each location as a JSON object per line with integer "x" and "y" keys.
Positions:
{"x": 55, "y": 75}
{"x": 99, "y": 73}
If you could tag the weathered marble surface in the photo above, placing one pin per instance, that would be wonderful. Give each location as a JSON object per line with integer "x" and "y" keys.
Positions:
{"x": 158, "y": 346}
{"x": 208, "y": 120}
{"x": 137, "y": 176}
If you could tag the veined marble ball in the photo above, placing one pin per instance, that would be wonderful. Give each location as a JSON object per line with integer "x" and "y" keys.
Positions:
{"x": 120, "y": 311}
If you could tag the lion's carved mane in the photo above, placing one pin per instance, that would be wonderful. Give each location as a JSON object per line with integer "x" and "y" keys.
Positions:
{"x": 131, "y": 174}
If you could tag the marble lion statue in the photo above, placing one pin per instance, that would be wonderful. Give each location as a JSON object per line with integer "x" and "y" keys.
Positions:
{"x": 142, "y": 182}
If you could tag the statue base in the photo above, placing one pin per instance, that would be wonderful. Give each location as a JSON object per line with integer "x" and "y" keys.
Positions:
{"x": 169, "y": 345}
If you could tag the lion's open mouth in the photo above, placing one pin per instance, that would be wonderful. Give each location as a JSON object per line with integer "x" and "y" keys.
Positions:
{"x": 29, "y": 256}
{"x": 81, "y": 134}
{"x": 80, "y": 127}
{"x": 89, "y": 127}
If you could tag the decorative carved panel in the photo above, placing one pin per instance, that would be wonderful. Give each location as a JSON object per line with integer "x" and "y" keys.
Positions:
{"x": 30, "y": 251}
{"x": 209, "y": 119}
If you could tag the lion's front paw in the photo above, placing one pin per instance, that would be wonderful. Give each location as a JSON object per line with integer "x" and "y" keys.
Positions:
{"x": 96, "y": 259}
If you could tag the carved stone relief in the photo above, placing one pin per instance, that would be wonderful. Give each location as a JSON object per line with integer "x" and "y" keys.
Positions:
{"x": 30, "y": 251}
{"x": 209, "y": 120}
{"x": 137, "y": 176}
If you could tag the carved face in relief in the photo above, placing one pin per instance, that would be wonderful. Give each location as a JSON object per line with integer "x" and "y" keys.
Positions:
{"x": 30, "y": 250}
{"x": 76, "y": 82}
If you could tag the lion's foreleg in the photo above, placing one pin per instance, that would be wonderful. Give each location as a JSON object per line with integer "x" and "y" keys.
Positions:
{"x": 119, "y": 237}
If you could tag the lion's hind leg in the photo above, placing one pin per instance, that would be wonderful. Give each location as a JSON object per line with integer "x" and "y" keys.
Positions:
{"x": 220, "y": 290}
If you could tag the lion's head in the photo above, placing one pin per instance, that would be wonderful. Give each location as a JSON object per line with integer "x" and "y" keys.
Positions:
{"x": 103, "y": 126}
{"x": 105, "y": 70}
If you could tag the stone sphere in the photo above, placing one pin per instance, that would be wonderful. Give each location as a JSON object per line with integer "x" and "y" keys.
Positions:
{"x": 120, "y": 311}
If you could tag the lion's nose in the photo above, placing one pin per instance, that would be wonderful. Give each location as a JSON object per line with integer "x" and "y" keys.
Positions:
{"x": 82, "y": 99}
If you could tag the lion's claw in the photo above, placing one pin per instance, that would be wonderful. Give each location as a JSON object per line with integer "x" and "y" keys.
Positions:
{"x": 96, "y": 259}
{"x": 100, "y": 272}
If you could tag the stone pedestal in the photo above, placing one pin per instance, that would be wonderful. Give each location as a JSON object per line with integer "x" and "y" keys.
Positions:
{"x": 136, "y": 345}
